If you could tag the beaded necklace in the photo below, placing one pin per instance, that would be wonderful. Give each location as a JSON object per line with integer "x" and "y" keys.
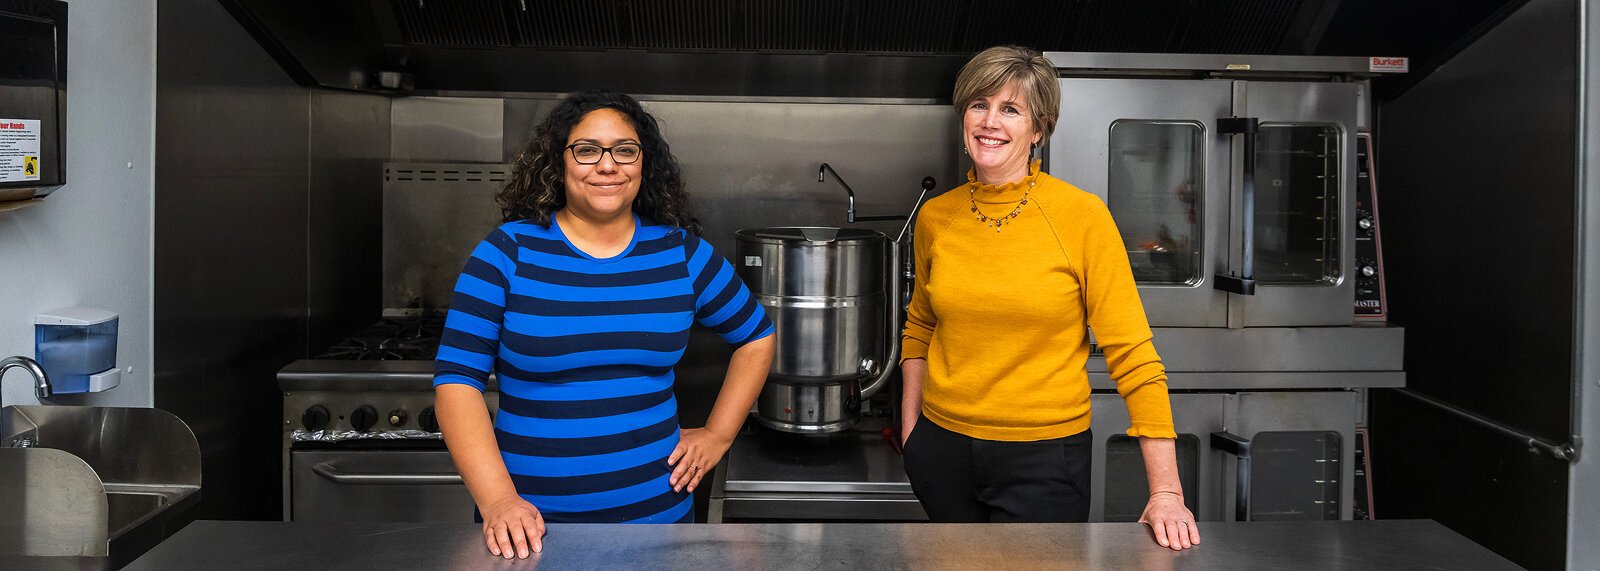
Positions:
{"x": 987, "y": 220}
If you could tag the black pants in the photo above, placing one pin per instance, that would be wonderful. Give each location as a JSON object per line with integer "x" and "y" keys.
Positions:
{"x": 962, "y": 479}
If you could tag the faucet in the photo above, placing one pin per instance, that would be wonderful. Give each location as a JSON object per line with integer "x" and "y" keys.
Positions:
{"x": 41, "y": 382}
{"x": 851, "y": 211}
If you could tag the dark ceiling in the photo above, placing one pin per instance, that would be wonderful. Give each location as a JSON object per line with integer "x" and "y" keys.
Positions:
{"x": 812, "y": 48}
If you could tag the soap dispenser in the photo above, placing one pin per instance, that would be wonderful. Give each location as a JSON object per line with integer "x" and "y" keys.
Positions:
{"x": 77, "y": 347}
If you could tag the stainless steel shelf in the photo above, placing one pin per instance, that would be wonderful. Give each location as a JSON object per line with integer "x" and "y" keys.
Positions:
{"x": 854, "y": 475}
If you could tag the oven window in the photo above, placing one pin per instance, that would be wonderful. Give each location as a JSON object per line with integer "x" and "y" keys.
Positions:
{"x": 1295, "y": 476}
{"x": 1154, "y": 191}
{"x": 1297, "y": 204}
{"x": 1127, "y": 487}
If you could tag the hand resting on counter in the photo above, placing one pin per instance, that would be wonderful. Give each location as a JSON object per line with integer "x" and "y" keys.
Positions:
{"x": 511, "y": 526}
{"x": 1171, "y": 522}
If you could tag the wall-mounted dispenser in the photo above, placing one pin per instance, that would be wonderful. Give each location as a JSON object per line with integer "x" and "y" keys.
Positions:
{"x": 77, "y": 347}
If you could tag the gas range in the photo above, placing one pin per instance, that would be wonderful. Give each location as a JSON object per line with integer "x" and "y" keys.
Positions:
{"x": 360, "y": 440}
{"x": 376, "y": 384}
{"x": 372, "y": 384}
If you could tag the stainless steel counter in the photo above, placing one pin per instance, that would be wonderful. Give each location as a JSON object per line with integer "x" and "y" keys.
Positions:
{"x": 1395, "y": 544}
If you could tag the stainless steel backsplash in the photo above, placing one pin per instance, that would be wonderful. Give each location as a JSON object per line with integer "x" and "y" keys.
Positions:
{"x": 746, "y": 165}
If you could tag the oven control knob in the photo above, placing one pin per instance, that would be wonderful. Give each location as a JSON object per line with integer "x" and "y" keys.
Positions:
{"x": 363, "y": 418}
{"x": 315, "y": 418}
{"x": 426, "y": 421}
{"x": 397, "y": 417}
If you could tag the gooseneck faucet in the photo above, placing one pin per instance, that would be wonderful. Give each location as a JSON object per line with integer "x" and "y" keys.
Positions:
{"x": 41, "y": 382}
{"x": 850, "y": 213}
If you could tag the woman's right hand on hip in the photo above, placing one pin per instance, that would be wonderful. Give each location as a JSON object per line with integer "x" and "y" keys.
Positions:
{"x": 511, "y": 526}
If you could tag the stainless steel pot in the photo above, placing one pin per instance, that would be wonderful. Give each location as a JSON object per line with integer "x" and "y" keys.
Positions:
{"x": 827, "y": 291}
{"x": 810, "y": 408}
{"x": 824, "y": 289}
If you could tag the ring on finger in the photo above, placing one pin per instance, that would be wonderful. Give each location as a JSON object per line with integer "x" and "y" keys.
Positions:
{"x": 694, "y": 467}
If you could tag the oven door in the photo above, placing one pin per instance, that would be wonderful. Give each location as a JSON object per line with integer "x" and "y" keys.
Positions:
{"x": 1120, "y": 489}
{"x": 1148, "y": 148}
{"x": 1157, "y": 152}
{"x": 1302, "y": 242}
{"x": 1299, "y": 461}
{"x": 377, "y": 485}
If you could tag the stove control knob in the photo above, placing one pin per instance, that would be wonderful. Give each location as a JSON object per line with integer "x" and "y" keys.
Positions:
{"x": 363, "y": 418}
{"x": 426, "y": 420}
{"x": 397, "y": 417}
{"x": 315, "y": 418}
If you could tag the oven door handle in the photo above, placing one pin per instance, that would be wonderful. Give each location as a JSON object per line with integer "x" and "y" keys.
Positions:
{"x": 1238, "y": 446}
{"x": 1245, "y": 282}
{"x": 333, "y": 474}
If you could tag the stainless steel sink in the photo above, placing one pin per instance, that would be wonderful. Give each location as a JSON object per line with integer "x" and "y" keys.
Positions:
{"x": 126, "y": 510}
{"x": 77, "y": 480}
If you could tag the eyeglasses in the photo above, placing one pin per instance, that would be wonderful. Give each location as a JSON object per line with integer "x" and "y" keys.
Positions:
{"x": 589, "y": 153}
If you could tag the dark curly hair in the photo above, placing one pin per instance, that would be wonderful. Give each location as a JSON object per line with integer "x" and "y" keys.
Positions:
{"x": 537, "y": 187}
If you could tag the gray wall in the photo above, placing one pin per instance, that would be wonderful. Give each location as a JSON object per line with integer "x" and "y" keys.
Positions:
{"x": 265, "y": 233}
{"x": 230, "y": 243}
{"x": 89, "y": 242}
{"x": 348, "y": 142}
{"x": 1476, "y": 164}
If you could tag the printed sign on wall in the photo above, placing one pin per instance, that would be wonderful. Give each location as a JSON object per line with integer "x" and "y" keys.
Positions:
{"x": 19, "y": 150}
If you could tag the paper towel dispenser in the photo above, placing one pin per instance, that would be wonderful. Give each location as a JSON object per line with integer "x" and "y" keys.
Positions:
{"x": 33, "y": 98}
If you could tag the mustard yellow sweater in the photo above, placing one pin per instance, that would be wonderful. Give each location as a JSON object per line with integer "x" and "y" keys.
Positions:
{"x": 1000, "y": 316}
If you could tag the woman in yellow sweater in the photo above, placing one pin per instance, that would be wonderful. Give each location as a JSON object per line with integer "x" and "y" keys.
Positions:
{"x": 1011, "y": 269}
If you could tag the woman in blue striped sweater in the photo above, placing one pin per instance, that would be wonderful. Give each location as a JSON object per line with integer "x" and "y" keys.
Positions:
{"x": 581, "y": 304}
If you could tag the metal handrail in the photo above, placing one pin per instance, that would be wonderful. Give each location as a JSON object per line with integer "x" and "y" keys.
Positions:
{"x": 1564, "y": 450}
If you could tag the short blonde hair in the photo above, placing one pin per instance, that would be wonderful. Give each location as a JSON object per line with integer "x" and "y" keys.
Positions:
{"x": 989, "y": 71}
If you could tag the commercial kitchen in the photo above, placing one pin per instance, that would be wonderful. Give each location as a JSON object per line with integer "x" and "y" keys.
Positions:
{"x": 1366, "y": 235}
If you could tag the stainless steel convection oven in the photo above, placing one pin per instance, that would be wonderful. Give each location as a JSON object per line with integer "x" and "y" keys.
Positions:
{"x": 1234, "y": 182}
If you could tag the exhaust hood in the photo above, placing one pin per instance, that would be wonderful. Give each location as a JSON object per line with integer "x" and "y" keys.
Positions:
{"x": 905, "y": 49}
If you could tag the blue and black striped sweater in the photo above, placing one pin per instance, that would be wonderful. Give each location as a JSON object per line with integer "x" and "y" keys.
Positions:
{"x": 583, "y": 349}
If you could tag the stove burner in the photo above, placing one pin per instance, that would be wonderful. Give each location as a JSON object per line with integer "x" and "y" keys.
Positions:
{"x": 392, "y": 339}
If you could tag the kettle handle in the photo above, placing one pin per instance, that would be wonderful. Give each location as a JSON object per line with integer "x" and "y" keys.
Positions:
{"x": 895, "y": 283}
